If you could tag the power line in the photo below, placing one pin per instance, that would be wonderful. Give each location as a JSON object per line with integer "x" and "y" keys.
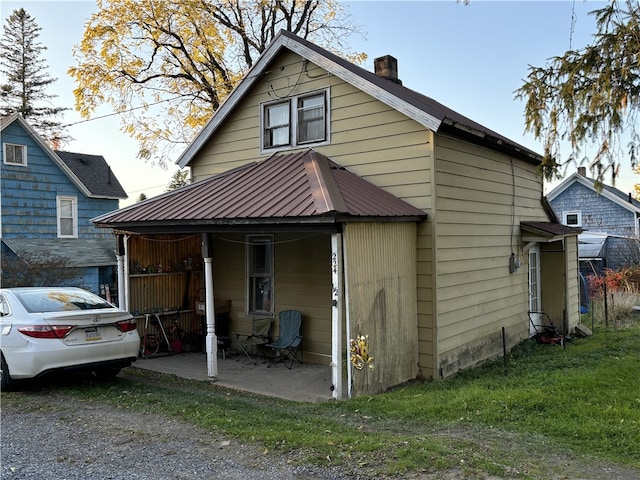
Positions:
{"x": 123, "y": 111}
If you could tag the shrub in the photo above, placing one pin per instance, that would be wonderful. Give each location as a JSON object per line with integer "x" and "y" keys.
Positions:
{"x": 623, "y": 293}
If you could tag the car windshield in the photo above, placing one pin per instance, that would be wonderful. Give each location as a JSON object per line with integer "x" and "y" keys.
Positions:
{"x": 61, "y": 300}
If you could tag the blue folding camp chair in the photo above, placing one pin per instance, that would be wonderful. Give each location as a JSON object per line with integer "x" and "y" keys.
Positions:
{"x": 288, "y": 345}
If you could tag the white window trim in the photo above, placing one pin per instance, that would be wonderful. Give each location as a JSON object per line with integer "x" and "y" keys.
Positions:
{"x": 248, "y": 258}
{"x": 578, "y": 213}
{"x": 293, "y": 120}
{"x": 24, "y": 154}
{"x": 74, "y": 209}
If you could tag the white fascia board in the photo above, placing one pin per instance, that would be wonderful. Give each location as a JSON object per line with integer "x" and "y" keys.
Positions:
{"x": 591, "y": 185}
{"x": 229, "y": 103}
{"x": 420, "y": 116}
{"x": 562, "y": 187}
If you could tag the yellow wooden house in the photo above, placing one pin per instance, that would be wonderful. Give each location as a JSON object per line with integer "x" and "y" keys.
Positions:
{"x": 372, "y": 209}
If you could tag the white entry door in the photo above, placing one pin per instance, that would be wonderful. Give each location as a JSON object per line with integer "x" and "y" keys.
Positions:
{"x": 534, "y": 287}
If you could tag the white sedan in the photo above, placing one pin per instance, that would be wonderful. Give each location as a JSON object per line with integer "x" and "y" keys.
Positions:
{"x": 46, "y": 330}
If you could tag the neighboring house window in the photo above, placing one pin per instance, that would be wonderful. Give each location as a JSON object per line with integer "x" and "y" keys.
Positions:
{"x": 299, "y": 120}
{"x": 260, "y": 274}
{"x": 572, "y": 219}
{"x": 15, "y": 154}
{"x": 67, "y": 217}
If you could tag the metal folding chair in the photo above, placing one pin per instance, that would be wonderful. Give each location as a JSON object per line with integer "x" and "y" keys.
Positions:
{"x": 250, "y": 344}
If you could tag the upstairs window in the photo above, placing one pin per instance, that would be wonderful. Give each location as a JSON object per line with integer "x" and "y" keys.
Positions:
{"x": 15, "y": 154}
{"x": 311, "y": 119}
{"x": 299, "y": 120}
{"x": 277, "y": 125}
{"x": 572, "y": 219}
{"x": 259, "y": 274}
{"x": 67, "y": 208}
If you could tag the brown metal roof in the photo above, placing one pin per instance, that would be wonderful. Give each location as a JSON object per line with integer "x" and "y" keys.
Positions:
{"x": 550, "y": 229}
{"x": 301, "y": 187}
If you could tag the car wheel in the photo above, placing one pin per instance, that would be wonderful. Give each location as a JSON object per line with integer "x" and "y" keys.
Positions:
{"x": 5, "y": 379}
{"x": 107, "y": 372}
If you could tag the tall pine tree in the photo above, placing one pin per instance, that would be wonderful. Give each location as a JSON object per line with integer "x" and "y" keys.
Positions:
{"x": 24, "y": 78}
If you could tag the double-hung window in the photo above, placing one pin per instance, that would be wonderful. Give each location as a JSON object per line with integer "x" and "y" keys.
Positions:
{"x": 297, "y": 120}
{"x": 67, "y": 208}
{"x": 15, "y": 154}
{"x": 259, "y": 274}
{"x": 572, "y": 219}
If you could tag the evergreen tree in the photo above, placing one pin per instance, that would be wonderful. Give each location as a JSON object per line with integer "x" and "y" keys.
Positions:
{"x": 589, "y": 99}
{"x": 179, "y": 179}
{"x": 23, "y": 89}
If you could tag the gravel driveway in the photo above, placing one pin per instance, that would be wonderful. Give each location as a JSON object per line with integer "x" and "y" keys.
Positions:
{"x": 52, "y": 436}
{"x": 47, "y": 435}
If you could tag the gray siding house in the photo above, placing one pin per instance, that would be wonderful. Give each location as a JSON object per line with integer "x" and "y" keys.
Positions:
{"x": 609, "y": 219}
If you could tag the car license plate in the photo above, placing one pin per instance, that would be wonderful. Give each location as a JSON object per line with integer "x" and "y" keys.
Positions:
{"x": 92, "y": 334}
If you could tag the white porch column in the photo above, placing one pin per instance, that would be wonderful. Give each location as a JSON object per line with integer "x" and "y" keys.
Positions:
{"x": 122, "y": 298}
{"x": 211, "y": 339}
{"x": 125, "y": 285}
{"x": 337, "y": 290}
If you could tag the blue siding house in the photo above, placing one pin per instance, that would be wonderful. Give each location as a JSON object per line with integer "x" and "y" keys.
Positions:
{"x": 609, "y": 219}
{"x": 47, "y": 201}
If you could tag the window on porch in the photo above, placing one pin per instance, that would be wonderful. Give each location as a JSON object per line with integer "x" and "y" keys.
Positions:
{"x": 259, "y": 274}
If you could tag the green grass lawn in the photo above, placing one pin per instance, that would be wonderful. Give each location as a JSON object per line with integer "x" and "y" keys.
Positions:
{"x": 554, "y": 408}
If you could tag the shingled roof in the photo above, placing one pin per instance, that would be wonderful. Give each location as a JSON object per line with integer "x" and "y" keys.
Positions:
{"x": 90, "y": 173}
{"x": 94, "y": 172}
{"x": 296, "y": 188}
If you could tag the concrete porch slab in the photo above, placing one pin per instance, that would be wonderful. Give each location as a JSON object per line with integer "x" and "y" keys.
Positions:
{"x": 303, "y": 383}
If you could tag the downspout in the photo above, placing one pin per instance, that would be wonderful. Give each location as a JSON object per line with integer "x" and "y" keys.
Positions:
{"x": 336, "y": 314}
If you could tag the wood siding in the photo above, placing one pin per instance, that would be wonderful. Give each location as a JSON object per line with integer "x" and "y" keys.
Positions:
{"x": 380, "y": 279}
{"x": 368, "y": 137}
{"x": 472, "y": 229}
{"x": 573, "y": 283}
{"x": 481, "y": 198}
{"x": 302, "y": 282}
{"x": 165, "y": 275}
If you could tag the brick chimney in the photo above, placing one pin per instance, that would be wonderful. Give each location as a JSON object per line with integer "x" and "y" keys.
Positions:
{"x": 387, "y": 67}
{"x": 582, "y": 171}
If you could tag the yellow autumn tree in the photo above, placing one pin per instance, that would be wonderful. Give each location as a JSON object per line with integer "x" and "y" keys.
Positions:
{"x": 165, "y": 67}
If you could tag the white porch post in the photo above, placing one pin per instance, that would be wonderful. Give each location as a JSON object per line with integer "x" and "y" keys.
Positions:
{"x": 124, "y": 286}
{"x": 336, "y": 314}
{"x": 211, "y": 340}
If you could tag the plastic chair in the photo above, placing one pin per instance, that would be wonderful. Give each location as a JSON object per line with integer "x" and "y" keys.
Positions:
{"x": 250, "y": 344}
{"x": 289, "y": 343}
